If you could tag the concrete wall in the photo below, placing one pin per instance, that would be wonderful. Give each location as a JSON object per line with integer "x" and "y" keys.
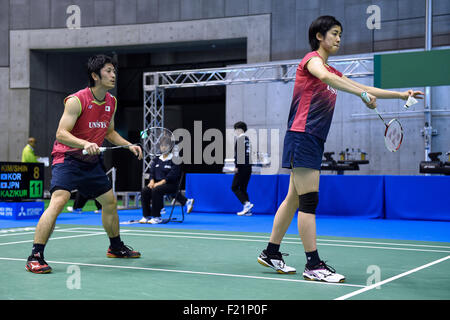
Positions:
{"x": 24, "y": 43}
{"x": 402, "y": 21}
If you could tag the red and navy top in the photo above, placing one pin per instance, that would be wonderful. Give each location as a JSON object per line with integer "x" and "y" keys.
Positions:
{"x": 92, "y": 124}
{"x": 313, "y": 101}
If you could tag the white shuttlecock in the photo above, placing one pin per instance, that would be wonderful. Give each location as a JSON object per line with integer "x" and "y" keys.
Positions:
{"x": 411, "y": 100}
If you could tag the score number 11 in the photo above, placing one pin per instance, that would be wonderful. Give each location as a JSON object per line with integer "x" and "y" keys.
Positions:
{"x": 36, "y": 189}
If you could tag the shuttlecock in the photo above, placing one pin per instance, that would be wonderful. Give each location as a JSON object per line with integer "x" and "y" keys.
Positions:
{"x": 411, "y": 100}
{"x": 144, "y": 134}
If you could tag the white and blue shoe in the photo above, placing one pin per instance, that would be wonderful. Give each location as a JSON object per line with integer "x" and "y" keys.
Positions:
{"x": 144, "y": 220}
{"x": 322, "y": 272}
{"x": 155, "y": 220}
{"x": 189, "y": 205}
{"x": 276, "y": 262}
{"x": 246, "y": 209}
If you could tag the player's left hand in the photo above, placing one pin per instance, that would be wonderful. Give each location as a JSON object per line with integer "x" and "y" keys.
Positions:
{"x": 415, "y": 94}
{"x": 137, "y": 151}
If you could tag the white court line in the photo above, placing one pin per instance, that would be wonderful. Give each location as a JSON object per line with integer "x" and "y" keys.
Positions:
{"x": 352, "y": 294}
{"x": 55, "y": 238}
{"x": 16, "y": 234}
{"x": 27, "y": 230}
{"x": 267, "y": 238}
{"x": 146, "y": 233}
{"x": 285, "y": 242}
{"x": 194, "y": 272}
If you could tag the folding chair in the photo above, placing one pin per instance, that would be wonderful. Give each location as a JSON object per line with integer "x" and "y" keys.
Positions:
{"x": 174, "y": 196}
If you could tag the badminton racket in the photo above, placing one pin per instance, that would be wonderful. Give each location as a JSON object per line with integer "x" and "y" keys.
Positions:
{"x": 393, "y": 134}
{"x": 155, "y": 141}
{"x": 103, "y": 149}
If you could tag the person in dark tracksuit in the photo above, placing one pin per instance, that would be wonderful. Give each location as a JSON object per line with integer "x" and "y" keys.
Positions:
{"x": 243, "y": 168}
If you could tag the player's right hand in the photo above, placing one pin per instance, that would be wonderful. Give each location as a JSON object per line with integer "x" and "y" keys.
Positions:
{"x": 92, "y": 149}
{"x": 372, "y": 104}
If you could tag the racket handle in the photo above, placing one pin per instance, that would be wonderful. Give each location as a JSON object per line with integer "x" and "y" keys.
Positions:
{"x": 102, "y": 149}
{"x": 365, "y": 96}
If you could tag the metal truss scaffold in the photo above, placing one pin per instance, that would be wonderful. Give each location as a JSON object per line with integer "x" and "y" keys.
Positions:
{"x": 154, "y": 83}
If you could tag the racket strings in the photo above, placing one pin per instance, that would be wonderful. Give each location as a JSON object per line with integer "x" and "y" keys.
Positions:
{"x": 157, "y": 140}
{"x": 393, "y": 135}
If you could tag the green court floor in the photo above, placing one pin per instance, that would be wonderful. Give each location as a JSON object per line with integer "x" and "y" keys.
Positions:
{"x": 202, "y": 265}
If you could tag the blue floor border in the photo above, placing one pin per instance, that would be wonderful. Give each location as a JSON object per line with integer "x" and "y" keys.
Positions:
{"x": 326, "y": 226}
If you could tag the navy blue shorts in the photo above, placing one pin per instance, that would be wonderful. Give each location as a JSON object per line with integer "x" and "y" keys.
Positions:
{"x": 89, "y": 179}
{"x": 302, "y": 150}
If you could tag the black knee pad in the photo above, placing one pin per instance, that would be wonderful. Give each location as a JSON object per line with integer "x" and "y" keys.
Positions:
{"x": 308, "y": 202}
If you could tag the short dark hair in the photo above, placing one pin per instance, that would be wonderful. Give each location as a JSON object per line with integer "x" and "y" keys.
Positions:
{"x": 240, "y": 125}
{"x": 96, "y": 63}
{"x": 321, "y": 25}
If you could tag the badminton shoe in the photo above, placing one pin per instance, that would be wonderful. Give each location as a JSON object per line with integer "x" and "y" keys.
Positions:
{"x": 155, "y": 220}
{"x": 247, "y": 207}
{"x": 322, "y": 272}
{"x": 71, "y": 209}
{"x": 144, "y": 220}
{"x": 189, "y": 205}
{"x": 123, "y": 251}
{"x": 37, "y": 264}
{"x": 276, "y": 262}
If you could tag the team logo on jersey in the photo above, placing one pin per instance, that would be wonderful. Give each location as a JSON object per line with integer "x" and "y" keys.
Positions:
{"x": 98, "y": 124}
{"x": 90, "y": 106}
{"x": 107, "y": 108}
{"x": 333, "y": 90}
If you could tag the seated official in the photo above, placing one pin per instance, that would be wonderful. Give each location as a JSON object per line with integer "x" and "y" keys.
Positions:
{"x": 164, "y": 179}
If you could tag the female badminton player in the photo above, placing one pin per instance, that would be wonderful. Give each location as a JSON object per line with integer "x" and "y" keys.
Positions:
{"x": 87, "y": 120}
{"x": 310, "y": 116}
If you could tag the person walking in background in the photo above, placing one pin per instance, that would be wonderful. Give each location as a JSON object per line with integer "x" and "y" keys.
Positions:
{"x": 243, "y": 168}
{"x": 80, "y": 202}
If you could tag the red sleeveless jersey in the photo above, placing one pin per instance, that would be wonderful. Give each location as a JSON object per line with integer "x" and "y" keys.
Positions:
{"x": 313, "y": 101}
{"x": 92, "y": 124}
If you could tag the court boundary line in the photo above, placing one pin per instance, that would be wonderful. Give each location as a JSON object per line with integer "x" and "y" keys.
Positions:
{"x": 157, "y": 233}
{"x": 132, "y": 232}
{"x": 236, "y": 235}
{"x": 56, "y": 238}
{"x": 401, "y": 275}
{"x": 286, "y": 242}
{"x": 286, "y": 238}
{"x": 192, "y": 272}
{"x": 161, "y": 234}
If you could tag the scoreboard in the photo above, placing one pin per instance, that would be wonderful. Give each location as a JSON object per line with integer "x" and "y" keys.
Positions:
{"x": 21, "y": 181}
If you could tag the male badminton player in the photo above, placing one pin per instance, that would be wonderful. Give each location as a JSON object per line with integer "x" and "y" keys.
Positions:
{"x": 310, "y": 116}
{"x": 87, "y": 120}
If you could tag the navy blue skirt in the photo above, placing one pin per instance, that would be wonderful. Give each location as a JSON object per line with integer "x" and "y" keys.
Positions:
{"x": 302, "y": 150}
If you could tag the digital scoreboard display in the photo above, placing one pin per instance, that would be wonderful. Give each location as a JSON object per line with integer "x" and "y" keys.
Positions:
{"x": 21, "y": 181}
